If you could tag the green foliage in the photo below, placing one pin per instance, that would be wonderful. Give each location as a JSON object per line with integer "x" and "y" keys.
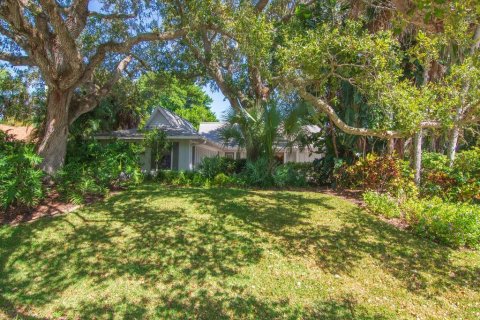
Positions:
{"x": 258, "y": 173}
{"x": 20, "y": 179}
{"x": 456, "y": 224}
{"x": 181, "y": 178}
{"x": 379, "y": 173}
{"x": 292, "y": 175}
{"x": 184, "y": 98}
{"x": 382, "y": 204}
{"x": 461, "y": 182}
{"x": 92, "y": 168}
{"x": 212, "y": 166}
{"x": 22, "y": 96}
{"x": 221, "y": 180}
{"x": 156, "y": 140}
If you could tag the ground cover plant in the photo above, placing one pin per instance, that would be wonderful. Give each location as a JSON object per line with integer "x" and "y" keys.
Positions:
{"x": 158, "y": 252}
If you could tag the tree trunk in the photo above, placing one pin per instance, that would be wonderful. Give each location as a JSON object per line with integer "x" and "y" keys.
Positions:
{"x": 417, "y": 155}
{"x": 452, "y": 146}
{"x": 53, "y": 144}
{"x": 391, "y": 146}
{"x": 334, "y": 139}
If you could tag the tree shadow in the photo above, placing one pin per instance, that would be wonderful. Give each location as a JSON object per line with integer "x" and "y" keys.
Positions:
{"x": 139, "y": 235}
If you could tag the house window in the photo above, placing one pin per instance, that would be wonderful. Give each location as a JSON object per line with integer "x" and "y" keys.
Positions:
{"x": 162, "y": 161}
{"x": 193, "y": 156}
{"x": 230, "y": 155}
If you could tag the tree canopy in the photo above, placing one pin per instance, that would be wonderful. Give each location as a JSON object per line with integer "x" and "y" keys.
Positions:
{"x": 389, "y": 70}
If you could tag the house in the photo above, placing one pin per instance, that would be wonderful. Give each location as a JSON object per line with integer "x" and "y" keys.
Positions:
{"x": 190, "y": 146}
{"x": 17, "y": 132}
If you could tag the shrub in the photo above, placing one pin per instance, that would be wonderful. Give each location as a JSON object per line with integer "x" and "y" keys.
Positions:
{"x": 452, "y": 224}
{"x": 211, "y": 166}
{"x": 379, "y": 173}
{"x": 20, "y": 179}
{"x": 291, "y": 175}
{"x": 258, "y": 173}
{"x": 460, "y": 183}
{"x": 221, "y": 180}
{"x": 93, "y": 168}
{"x": 382, "y": 204}
{"x": 180, "y": 178}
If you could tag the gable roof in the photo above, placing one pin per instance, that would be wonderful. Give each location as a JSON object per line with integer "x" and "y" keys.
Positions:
{"x": 178, "y": 127}
{"x": 171, "y": 123}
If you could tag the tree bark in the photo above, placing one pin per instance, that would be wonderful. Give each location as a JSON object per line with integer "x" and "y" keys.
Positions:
{"x": 452, "y": 146}
{"x": 417, "y": 155}
{"x": 53, "y": 144}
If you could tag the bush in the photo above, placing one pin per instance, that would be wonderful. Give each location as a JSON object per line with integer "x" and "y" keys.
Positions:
{"x": 180, "y": 178}
{"x": 221, "y": 180}
{"x": 460, "y": 183}
{"x": 212, "y": 166}
{"x": 379, "y": 173}
{"x": 452, "y": 224}
{"x": 258, "y": 173}
{"x": 93, "y": 168}
{"x": 20, "y": 179}
{"x": 291, "y": 175}
{"x": 382, "y": 204}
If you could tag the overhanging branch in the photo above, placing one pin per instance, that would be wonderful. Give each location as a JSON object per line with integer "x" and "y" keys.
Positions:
{"x": 16, "y": 60}
{"x": 324, "y": 107}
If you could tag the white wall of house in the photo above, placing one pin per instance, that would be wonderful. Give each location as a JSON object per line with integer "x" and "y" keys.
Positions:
{"x": 203, "y": 151}
{"x": 185, "y": 155}
{"x": 146, "y": 159}
{"x": 305, "y": 156}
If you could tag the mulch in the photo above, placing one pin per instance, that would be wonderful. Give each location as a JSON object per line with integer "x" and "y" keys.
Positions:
{"x": 49, "y": 207}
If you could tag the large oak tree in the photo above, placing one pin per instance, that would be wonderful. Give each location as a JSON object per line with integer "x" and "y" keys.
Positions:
{"x": 68, "y": 41}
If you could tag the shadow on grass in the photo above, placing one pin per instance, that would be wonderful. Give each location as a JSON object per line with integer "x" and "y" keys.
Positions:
{"x": 128, "y": 237}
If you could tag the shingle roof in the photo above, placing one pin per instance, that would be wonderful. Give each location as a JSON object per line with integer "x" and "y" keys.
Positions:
{"x": 175, "y": 126}
{"x": 213, "y": 132}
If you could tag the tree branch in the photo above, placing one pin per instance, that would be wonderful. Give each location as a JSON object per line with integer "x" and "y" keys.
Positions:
{"x": 91, "y": 101}
{"x": 67, "y": 42}
{"x": 261, "y": 4}
{"x": 332, "y": 115}
{"x": 17, "y": 60}
{"x": 125, "y": 47}
{"x": 112, "y": 16}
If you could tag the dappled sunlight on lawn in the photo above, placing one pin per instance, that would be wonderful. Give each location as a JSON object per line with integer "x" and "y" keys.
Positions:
{"x": 157, "y": 252}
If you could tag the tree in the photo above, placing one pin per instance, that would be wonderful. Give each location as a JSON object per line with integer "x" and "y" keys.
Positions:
{"x": 21, "y": 96}
{"x": 393, "y": 59}
{"x": 67, "y": 42}
{"x": 184, "y": 97}
{"x": 235, "y": 48}
{"x": 157, "y": 141}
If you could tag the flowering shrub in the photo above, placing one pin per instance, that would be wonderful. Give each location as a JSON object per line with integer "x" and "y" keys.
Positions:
{"x": 379, "y": 173}
{"x": 458, "y": 183}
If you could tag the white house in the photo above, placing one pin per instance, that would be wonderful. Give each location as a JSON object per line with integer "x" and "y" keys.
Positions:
{"x": 190, "y": 146}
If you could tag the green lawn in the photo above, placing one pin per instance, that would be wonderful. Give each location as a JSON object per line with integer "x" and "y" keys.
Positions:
{"x": 156, "y": 252}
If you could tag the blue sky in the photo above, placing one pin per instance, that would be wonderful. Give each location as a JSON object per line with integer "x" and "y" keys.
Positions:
{"x": 219, "y": 105}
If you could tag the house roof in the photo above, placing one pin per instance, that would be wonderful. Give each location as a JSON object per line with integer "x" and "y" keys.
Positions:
{"x": 18, "y": 133}
{"x": 171, "y": 123}
{"x": 166, "y": 120}
{"x": 178, "y": 127}
{"x": 212, "y": 131}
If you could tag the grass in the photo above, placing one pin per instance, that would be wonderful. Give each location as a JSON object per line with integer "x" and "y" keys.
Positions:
{"x": 176, "y": 253}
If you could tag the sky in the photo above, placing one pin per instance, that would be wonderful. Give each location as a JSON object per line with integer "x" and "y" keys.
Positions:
{"x": 219, "y": 104}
